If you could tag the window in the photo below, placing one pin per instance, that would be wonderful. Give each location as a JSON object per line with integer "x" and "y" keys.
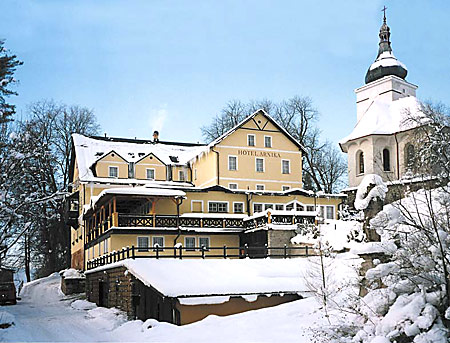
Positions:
{"x": 260, "y": 165}
{"x": 310, "y": 208}
{"x": 259, "y": 187}
{"x": 232, "y": 163}
{"x": 197, "y": 206}
{"x": 157, "y": 241}
{"x": 232, "y": 186}
{"x": 113, "y": 171}
{"x": 289, "y": 207}
{"x": 181, "y": 175}
{"x": 131, "y": 170}
{"x": 285, "y": 188}
{"x": 360, "y": 162}
{"x": 285, "y": 166}
{"x": 238, "y": 207}
{"x": 150, "y": 173}
{"x": 105, "y": 246}
{"x": 330, "y": 212}
{"x": 189, "y": 243}
{"x": 322, "y": 212}
{"x": 251, "y": 140}
{"x": 410, "y": 155}
{"x": 299, "y": 207}
{"x": 279, "y": 207}
{"x": 142, "y": 243}
{"x": 268, "y": 206}
{"x": 386, "y": 160}
{"x": 268, "y": 141}
{"x": 217, "y": 207}
{"x": 257, "y": 208}
{"x": 203, "y": 242}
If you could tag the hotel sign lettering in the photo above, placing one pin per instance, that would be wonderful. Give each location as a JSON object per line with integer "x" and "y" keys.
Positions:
{"x": 259, "y": 153}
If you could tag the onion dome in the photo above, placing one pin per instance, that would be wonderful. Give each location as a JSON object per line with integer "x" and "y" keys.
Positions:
{"x": 385, "y": 63}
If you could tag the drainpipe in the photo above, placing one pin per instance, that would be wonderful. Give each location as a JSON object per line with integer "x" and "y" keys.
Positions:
{"x": 218, "y": 174}
{"x": 398, "y": 158}
{"x": 179, "y": 202}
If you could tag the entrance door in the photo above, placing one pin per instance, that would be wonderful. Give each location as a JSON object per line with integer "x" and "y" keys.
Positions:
{"x": 103, "y": 294}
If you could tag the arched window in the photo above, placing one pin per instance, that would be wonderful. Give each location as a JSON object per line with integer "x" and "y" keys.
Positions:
{"x": 360, "y": 162}
{"x": 410, "y": 155}
{"x": 386, "y": 160}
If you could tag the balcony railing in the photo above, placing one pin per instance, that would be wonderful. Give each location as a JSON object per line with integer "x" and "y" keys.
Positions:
{"x": 230, "y": 221}
{"x": 132, "y": 220}
{"x": 180, "y": 252}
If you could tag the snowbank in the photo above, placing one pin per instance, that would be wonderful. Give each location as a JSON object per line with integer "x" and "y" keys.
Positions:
{"x": 72, "y": 274}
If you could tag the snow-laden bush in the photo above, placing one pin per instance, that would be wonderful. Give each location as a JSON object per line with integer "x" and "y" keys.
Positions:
{"x": 412, "y": 304}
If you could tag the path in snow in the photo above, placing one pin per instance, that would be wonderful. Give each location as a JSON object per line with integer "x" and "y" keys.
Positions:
{"x": 44, "y": 315}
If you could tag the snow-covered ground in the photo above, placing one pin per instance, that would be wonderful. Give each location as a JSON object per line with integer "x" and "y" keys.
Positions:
{"x": 45, "y": 314}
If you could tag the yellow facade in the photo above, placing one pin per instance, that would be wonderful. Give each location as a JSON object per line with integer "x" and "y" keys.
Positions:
{"x": 255, "y": 167}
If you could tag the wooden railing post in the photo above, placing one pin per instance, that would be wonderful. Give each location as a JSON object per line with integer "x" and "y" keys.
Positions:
{"x": 203, "y": 252}
{"x": 266, "y": 250}
{"x": 157, "y": 252}
{"x": 245, "y": 250}
{"x": 224, "y": 251}
{"x": 285, "y": 251}
{"x": 181, "y": 252}
{"x": 306, "y": 250}
{"x": 133, "y": 254}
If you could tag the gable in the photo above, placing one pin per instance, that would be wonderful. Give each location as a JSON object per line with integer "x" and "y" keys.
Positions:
{"x": 150, "y": 159}
{"x": 259, "y": 121}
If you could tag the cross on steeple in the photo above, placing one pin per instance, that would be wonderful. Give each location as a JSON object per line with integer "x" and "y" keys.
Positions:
{"x": 384, "y": 13}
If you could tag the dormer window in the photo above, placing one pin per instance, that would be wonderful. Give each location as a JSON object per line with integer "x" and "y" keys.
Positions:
{"x": 113, "y": 172}
{"x": 181, "y": 175}
{"x": 131, "y": 170}
{"x": 174, "y": 159}
{"x": 150, "y": 173}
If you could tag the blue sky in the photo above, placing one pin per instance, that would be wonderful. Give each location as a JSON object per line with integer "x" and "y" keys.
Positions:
{"x": 173, "y": 65}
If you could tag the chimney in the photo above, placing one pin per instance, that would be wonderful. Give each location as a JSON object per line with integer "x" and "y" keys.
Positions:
{"x": 155, "y": 136}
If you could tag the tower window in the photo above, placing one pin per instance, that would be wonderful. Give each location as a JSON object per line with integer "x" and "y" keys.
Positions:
{"x": 386, "y": 160}
{"x": 361, "y": 163}
{"x": 410, "y": 155}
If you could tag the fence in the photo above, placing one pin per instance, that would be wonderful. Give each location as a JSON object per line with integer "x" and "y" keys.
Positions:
{"x": 200, "y": 252}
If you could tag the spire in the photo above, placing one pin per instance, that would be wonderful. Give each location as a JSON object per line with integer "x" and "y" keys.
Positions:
{"x": 385, "y": 35}
{"x": 385, "y": 64}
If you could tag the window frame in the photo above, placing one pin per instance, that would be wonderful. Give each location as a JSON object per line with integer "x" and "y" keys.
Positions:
{"x": 263, "y": 164}
{"x": 327, "y": 207}
{"x": 260, "y": 185}
{"x": 141, "y": 248}
{"x": 236, "y": 164}
{"x": 386, "y": 161}
{"x": 288, "y": 165}
{"x": 146, "y": 174}
{"x": 285, "y": 188}
{"x": 238, "y": 203}
{"x": 265, "y": 142}
{"x": 153, "y": 242}
{"x": 234, "y": 184}
{"x": 184, "y": 178}
{"x": 258, "y": 204}
{"x": 207, "y": 246}
{"x": 218, "y": 202}
{"x": 360, "y": 165}
{"x": 110, "y": 168}
{"x": 248, "y": 139}
{"x": 192, "y": 205}
{"x": 186, "y": 248}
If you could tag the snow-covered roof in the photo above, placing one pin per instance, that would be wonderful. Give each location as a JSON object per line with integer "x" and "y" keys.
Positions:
{"x": 384, "y": 118}
{"x": 386, "y": 59}
{"x": 89, "y": 150}
{"x": 144, "y": 191}
{"x": 218, "y": 277}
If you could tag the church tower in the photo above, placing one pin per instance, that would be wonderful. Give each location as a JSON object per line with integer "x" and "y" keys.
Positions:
{"x": 377, "y": 143}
